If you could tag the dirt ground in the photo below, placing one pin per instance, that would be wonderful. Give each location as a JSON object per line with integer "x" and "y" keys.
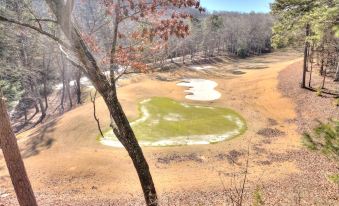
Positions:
{"x": 68, "y": 166}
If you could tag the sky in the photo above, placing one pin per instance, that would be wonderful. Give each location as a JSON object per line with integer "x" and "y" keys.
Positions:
{"x": 237, "y": 5}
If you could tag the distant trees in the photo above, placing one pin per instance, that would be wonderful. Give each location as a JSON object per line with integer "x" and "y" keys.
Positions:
{"x": 240, "y": 34}
{"x": 29, "y": 69}
{"x": 313, "y": 23}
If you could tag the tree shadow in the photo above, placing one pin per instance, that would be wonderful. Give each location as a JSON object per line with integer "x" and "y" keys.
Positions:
{"x": 2, "y": 161}
{"x": 325, "y": 93}
{"x": 208, "y": 60}
{"x": 40, "y": 140}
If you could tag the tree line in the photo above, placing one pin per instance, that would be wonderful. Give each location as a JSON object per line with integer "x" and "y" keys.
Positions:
{"x": 212, "y": 34}
{"x": 313, "y": 23}
{"x": 30, "y": 68}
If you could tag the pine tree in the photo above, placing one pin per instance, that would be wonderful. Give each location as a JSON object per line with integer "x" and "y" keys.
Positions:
{"x": 325, "y": 138}
{"x": 311, "y": 22}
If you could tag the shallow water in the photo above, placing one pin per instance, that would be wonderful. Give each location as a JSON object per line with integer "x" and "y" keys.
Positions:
{"x": 165, "y": 122}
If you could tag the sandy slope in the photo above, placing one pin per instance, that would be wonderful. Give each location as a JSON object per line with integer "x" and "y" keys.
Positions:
{"x": 67, "y": 165}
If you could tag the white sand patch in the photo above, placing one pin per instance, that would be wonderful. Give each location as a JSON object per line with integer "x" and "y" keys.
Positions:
{"x": 240, "y": 124}
{"x": 203, "y": 67}
{"x": 111, "y": 141}
{"x": 84, "y": 81}
{"x": 145, "y": 101}
{"x": 200, "y": 89}
{"x": 154, "y": 122}
{"x": 185, "y": 105}
{"x": 144, "y": 117}
{"x": 173, "y": 117}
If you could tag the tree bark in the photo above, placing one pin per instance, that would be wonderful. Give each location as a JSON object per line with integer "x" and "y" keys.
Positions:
{"x": 311, "y": 57}
{"x": 322, "y": 66}
{"x": 310, "y": 78}
{"x": 69, "y": 93}
{"x": 93, "y": 98}
{"x": 14, "y": 162}
{"x": 63, "y": 91}
{"x": 126, "y": 136}
{"x": 45, "y": 94}
{"x": 303, "y": 82}
{"x": 324, "y": 79}
{"x": 78, "y": 86}
{"x": 107, "y": 89}
{"x": 46, "y": 67}
{"x": 336, "y": 79}
{"x": 43, "y": 111}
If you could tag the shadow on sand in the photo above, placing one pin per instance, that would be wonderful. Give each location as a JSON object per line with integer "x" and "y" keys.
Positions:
{"x": 40, "y": 140}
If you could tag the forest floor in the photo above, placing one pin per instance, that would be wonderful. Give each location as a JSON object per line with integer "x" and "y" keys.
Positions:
{"x": 68, "y": 166}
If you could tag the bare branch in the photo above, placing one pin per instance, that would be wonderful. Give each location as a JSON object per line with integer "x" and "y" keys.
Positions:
{"x": 41, "y": 31}
{"x": 93, "y": 98}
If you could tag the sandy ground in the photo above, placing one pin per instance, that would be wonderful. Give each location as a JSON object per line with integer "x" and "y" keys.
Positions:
{"x": 68, "y": 166}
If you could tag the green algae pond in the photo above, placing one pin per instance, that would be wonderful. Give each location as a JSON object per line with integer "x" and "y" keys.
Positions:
{"x": 165, "y": 122}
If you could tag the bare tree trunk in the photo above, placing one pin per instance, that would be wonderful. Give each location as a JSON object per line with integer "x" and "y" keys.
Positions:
{"x": 15, "y": 164}
{"x": 311, "y": 57}
{"x": 322, "y": 66}
{"x": 107, "y": 89}
{"x": 303, "y": 82}
{"x": 25, "y": 114}
{"x": 120, "y": 125}
{"x": 324, "y": 79}
{"x": 336, "y": 79}
{"x": 69, "y": 93}
{"x": 45, "y": 94}
{"x": 37, "y": 110}
{"x": 43, "y": 111}
{"x": 183, "y": 57}
{"x": 46, "y": 67}
{"x": 126, "y": 136}
{"x": 63, "y": 95}
{"x": 63, "y": 84}
{"x": 93, "y": 98}
{"x": 310, "y": 79}
{"x": 78, "y": 86}
{"x": 39, "y": 101}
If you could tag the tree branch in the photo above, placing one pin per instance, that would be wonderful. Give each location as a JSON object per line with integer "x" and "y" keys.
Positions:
{"x": 93, "y": 98}
{"x": 5, "y": 19}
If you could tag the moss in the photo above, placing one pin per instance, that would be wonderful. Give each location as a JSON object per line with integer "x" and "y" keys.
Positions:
{"x": 163, "y": 118}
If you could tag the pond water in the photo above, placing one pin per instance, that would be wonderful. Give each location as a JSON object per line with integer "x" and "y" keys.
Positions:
{"x": 165, "y": 122}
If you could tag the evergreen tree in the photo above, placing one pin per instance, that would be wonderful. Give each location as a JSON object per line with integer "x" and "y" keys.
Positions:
{"x": 312, "y": 22}
{"x": 325, "y": 138}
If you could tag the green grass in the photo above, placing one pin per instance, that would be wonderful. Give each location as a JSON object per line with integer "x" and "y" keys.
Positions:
{"x": 165, "y": 119}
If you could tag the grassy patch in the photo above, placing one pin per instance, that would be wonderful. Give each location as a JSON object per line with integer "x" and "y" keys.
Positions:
{"x": 163, "y": 119}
